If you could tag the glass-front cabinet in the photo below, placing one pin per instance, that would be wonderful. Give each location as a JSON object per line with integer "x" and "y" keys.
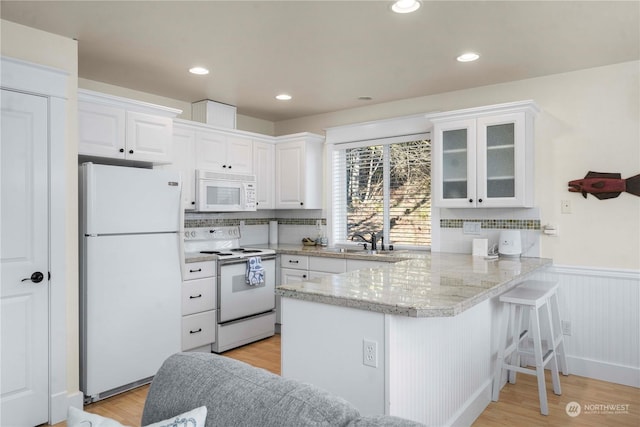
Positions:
{"x": 483, "y": 157}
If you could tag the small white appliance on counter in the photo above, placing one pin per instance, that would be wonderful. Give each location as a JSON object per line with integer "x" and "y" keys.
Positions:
{"x": 510, "y": 244}
{"x": 129, "y": 276}
{"x": 225, "y": 192}
{"x": 245, "y": 313}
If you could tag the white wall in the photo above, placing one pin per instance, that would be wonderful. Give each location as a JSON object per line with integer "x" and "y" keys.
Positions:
{"x": 590, "y": 120}
{"x": 51, "y": 50}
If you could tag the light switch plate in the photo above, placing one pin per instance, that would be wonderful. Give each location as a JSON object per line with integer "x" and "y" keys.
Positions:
{"x": 471, "y": 227}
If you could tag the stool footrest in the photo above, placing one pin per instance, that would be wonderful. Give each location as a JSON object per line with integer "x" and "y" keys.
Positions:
{"x": 520, "y": 369}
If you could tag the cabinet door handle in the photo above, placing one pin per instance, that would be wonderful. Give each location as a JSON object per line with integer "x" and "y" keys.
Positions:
{"x": 130, "y": 151}
{"x": 470, "y": 200}
{"x": 193, "y": 203}
{"x": 304, "y": 276}
{"x": 195, "y": 296}
{"x": 122, "y": 150}
{"x": 224, "y": 166}
{"x": 301, "y": 203}
{"x": 479, "y": 200}
{"x": 196, "y": 331}
{"x": 294, "y": 262}
{"x": 195, "y": 271}
{"x": 229, "y": 166}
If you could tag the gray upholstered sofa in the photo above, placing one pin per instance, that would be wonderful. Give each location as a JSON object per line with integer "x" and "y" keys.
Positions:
{"x": 237, "y": 394}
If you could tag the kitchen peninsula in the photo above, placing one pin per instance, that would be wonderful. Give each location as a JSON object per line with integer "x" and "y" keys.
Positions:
{"x": 415, "y": 338}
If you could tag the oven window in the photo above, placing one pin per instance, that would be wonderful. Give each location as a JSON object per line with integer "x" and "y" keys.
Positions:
{"x": 223, "y": 196}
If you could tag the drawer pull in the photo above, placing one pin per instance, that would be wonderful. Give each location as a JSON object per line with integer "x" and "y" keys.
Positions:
{"x": 195, "y": 296}
{"x": 294, "y": 262}
{"x": 195, "y": 271}
{"x": 196, "y": 331}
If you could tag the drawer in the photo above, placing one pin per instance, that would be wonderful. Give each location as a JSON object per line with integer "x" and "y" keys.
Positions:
{"x": 198, "y": 329}
{"x": 198, "y": 295}
{"x": 327, "y": 265}
{"x": 298, "y": 262}
{"x": 196, "y": 270}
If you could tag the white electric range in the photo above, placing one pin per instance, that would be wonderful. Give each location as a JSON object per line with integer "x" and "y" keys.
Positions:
{"x": 246, "y": 312}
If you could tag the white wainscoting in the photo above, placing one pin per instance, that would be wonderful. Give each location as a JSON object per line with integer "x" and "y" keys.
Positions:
{"x": 603, "y": 306}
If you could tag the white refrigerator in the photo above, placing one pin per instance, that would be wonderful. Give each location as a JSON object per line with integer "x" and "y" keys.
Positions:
{"x": 129, "y": 276}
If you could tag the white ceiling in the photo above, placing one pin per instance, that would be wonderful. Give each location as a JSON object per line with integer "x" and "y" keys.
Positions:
{"x": 326, "y": 54}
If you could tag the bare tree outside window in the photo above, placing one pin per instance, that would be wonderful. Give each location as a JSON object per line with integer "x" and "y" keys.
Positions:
{"x": 406, "y": 185}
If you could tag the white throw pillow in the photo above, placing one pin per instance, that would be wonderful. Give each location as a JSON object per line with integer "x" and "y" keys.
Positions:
{"x": 193, "y": 418}
{"x": 79, "y": 418}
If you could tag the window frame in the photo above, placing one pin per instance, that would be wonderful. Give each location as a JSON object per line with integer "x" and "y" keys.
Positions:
{"x": 334, "y": 184}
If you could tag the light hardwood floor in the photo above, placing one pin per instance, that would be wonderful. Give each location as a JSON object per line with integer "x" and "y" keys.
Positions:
{"x": 518, "y": 405}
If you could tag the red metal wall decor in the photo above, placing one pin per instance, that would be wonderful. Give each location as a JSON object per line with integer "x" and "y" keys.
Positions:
{"x": 605, "y": 185}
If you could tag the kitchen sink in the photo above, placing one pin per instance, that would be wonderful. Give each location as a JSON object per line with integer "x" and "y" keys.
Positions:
{"x": 367, "y": 251}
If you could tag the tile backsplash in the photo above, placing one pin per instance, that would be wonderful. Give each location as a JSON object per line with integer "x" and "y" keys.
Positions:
{"x": 293, "y": 225}
{"x": 255, "y": 230}
{"x": 500, "y": 224}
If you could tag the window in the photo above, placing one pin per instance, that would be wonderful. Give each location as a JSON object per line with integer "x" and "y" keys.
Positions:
{"x": 383, "y": 186}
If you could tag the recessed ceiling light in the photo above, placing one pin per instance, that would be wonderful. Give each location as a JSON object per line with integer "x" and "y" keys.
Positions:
{"x": 201, "y": 71}
{"x": 405, "y": 6}
{"x": 468, "y": 57}
{"x": 283, "y": 97}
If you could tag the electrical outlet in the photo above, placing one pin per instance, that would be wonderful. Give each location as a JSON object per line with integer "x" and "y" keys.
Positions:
{"x": 370, "y": 353}
{"x": 566, "y": 327}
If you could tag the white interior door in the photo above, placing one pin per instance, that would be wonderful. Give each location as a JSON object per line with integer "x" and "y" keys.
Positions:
{"x": 24, "y": 255}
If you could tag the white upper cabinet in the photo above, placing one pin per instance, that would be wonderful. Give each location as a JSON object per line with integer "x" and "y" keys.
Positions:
{"x": 263, "y": 168}
{"x": 221, "y": 152}
{"x": 120, "y": 128}
{"x": 184, "y": 161}
{"x": 299, "y": 172}
{"x": 483, "y": 157}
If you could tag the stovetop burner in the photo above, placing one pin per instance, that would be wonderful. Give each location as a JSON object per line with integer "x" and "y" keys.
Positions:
{"x": 247, "y": 251}
{"x": 223, "y": 242}
{"x": 216, "y": 253}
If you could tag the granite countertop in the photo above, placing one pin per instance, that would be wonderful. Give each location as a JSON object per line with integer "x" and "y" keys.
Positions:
{"x": 409, "y": 283}
{"x": 422, "y": 285}
{"x": 387, "y": 256}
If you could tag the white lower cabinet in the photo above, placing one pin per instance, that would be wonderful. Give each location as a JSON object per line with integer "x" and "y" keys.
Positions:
{"x": 198, "y": 331}
{"x": 299, "y": 268}
{"x": 198, "y": 307}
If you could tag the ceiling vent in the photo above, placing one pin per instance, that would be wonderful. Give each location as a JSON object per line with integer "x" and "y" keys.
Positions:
{"x": 214, "y": 113}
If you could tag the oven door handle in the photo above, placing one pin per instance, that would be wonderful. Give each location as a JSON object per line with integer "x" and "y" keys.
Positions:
{"x": 244, "y": 260}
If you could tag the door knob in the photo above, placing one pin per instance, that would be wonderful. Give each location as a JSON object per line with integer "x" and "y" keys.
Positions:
{"x": 35, "y": 277}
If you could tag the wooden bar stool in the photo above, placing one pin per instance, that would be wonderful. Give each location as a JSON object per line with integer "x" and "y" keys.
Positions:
{"x": 531, "y": 295}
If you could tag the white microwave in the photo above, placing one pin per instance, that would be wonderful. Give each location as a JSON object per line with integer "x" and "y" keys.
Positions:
{"x": 223, "y": 192}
